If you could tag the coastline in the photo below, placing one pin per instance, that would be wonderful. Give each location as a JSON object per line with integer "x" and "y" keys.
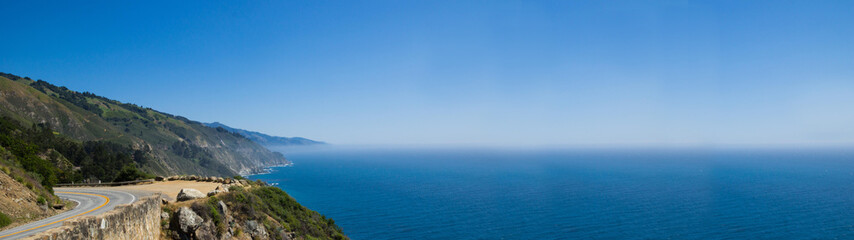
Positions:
{"x": 266, "y": 169}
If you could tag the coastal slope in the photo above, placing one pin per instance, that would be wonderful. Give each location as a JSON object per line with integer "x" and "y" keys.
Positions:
{"x": 267, "y": 140}
{"x": 169, "y": 144}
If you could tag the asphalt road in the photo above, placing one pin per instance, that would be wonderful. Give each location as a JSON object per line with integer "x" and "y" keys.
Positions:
{"x": 91, "y": 201}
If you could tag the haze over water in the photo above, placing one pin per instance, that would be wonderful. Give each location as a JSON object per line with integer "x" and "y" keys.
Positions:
{"x": 571, "y": 194}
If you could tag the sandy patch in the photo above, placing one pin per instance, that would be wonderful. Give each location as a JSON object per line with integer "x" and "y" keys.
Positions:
{"x": 171, "y": 188}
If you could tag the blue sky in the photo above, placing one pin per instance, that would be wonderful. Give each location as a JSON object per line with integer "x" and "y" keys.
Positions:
{"x": 491, "y": 73}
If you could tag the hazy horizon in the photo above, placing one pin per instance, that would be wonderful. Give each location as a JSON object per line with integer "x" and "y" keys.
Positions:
{"x": 463, "y": 73}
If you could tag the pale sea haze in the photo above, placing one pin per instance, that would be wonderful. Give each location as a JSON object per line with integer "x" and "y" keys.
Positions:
{"x": 576, "y": 194}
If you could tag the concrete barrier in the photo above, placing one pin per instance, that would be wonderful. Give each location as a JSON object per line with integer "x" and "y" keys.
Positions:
{"x": 137, "y": 221}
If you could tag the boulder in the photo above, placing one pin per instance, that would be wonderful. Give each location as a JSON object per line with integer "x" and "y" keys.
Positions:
{"x": 257, "y": 231}
{"x": 233, "y": 227}
{"x": 284, "y": 235}
{"x": 221, "y": 207}
{"x": 188, "y": 221}
{"x": 214, "y": 192}
{"x": 206, "y": 230}
{"x": 164, "y": 216}
{"x": 189, "y": 194}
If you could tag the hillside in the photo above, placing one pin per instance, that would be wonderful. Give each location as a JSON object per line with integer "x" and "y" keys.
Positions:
{"x": 19, "y": 204}
{"x": 265, "y": 139}
{"x": 25, "y": 194}
{"x": 159, "y": 143}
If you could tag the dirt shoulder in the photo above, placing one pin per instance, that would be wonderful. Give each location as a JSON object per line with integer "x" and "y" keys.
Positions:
{"x": 170, "y": 189}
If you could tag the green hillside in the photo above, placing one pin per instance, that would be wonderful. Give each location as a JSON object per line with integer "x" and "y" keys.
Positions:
{"x": 166, "y": 144}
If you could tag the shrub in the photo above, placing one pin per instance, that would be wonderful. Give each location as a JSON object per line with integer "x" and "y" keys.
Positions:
{"x": 208, "y": 211}
{"x": 215, "y": 215}
{"x": 260, "y": 202}
{"x": 41, "y": 200}
{"x": 130, "y": 172}
{"x": 235, "y": 189}
{"x": 4, "y": 220}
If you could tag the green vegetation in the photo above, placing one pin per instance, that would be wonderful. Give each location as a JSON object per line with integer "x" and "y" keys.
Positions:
{"x": 130, "y": 172}
{"x": 50, "y": 158}
{"x": 235, "y": 188}
{"x": 4, "y": 220}
{"x": 31, "y": 180}
{"x": 70, "y": 96}
{"x": 156, "y": 142}
{"x": 208, "y": 210}
{"x": 20, "y": 142}
{"x": 41, "y": 200}
{"x": 261, "y": 201}
{"x": 219, "y": 222}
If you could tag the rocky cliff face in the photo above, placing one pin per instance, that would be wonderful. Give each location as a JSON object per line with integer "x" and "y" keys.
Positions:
{"x": 174, "y": 145}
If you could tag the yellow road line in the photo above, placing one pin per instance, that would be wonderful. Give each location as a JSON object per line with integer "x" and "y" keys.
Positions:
{"x": 46, "y": 224}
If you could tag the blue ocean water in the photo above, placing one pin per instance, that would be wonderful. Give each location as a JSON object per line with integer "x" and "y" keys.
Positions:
{"x": 577, "y": 194}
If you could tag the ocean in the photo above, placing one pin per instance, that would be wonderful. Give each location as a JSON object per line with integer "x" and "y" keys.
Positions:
{"x": 576, "y": 194}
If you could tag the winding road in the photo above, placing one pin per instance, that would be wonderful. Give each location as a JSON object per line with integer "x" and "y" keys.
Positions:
{"x": 91, "y": 201}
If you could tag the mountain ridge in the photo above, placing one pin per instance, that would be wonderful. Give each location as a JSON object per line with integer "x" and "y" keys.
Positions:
{"x": 265, "y": 139}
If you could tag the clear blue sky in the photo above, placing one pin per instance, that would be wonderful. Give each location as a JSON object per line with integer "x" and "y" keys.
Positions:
{"x": 461, "y": 72}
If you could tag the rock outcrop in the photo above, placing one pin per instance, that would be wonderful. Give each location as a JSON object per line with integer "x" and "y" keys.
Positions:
{"x": 189, "y": 194}
{"x": 256, "y": 230}
{"x": 188, "y": 221}
{"x": 221, "y": 207}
